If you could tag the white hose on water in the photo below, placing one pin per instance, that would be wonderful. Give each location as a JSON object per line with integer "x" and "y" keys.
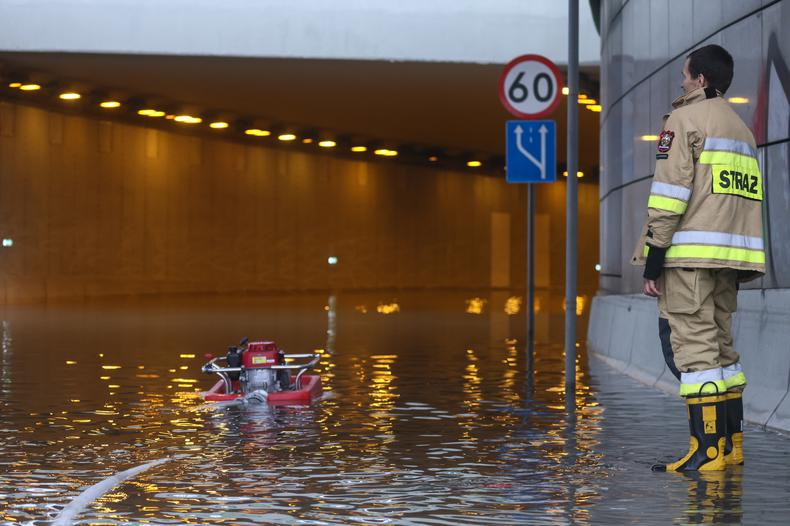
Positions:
{"x": 87, "y": 497}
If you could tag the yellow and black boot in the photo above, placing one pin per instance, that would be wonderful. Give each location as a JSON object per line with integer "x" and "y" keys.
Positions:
{"x": 707, "y": 421}
{"x": 733, "y": 447}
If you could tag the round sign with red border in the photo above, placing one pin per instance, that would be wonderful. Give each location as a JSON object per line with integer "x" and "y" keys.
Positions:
{"x": 530, "y": 86}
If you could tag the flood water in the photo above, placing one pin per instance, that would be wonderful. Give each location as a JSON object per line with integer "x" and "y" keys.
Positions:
{"x": 430, "y": 417}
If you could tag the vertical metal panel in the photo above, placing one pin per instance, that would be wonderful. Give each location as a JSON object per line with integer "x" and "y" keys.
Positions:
{"x": 744, "y": 42}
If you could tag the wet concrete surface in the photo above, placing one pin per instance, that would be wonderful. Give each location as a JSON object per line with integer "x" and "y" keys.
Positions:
{"x": 432, "y": 416}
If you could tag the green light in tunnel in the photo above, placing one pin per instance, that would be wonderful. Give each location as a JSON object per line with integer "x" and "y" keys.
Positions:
{"x": 8, "y": 242}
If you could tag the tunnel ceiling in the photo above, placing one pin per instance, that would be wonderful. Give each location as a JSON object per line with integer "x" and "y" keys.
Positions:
{"x": 452, "y": 106}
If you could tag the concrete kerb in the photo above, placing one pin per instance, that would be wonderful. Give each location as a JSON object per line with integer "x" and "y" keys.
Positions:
{"x": 647, "y": 361}
{"x": 595, "y": 325}
{"x": 632, "y": 345}
{"x": 621, "y": 336}
{"x": 761, "y": 330}
{"x": 599, "y": 329}
{"x": 761, "y": 397}
{"x": 667, "y": 382}
{"x": 777, "y": 321}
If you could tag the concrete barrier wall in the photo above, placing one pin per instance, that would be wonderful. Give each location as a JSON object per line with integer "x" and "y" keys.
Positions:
{"x": 623, "y": 332}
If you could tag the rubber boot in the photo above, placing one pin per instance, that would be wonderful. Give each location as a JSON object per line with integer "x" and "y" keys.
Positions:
{"x": 733, "y": 447}
{"x": 707, "y": 427}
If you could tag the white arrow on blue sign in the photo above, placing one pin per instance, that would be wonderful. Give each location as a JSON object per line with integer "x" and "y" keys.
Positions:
{"x": 531, "y": 151}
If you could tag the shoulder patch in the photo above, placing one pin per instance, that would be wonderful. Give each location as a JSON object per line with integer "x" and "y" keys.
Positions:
{"x": 665, "y": 141}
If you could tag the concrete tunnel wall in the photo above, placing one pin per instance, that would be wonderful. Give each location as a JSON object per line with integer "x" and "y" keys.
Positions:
{"x": 106, "y": 208}
{"x": 623, "y": 331}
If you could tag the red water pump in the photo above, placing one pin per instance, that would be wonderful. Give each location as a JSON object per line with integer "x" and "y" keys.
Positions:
{"x": 253, "y": 367}
{"x": 257, "y": 360}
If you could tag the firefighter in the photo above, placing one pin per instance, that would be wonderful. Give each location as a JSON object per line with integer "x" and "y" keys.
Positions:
{"x": 703, "y": 235}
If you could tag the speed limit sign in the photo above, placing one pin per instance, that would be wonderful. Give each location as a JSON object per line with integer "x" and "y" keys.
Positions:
{"x": 530, "y": 86}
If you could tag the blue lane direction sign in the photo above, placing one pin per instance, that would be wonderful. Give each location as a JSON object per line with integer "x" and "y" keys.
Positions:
{"x": 531, "y": 151}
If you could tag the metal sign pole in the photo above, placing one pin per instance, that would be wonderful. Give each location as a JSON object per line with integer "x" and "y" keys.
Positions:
{"x": 530, "y": 87}
{"x": 571, "y": 199}
{"x": 530, "y": 269}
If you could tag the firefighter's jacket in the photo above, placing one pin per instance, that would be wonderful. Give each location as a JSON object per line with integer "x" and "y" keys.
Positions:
{"x": 705, "y": 204}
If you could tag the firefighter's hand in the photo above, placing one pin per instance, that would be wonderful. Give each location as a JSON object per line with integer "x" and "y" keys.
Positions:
{"x": 651, "y": 289}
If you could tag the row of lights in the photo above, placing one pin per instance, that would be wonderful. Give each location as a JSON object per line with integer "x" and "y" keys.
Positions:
{"x": 592, "y": 105}
{"x": 584, "y": 100}
{"x": 732, "y": 100}
{"x": 221, "y": 125}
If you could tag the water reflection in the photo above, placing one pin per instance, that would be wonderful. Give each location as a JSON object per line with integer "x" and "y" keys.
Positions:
{"x": 331, "y": 323}
{"x": 388, "y": 308}
{"x": 714, "y": 497}
{"x": 5, "y": 358}
{"x": 513, "y": 305}
{"x": 475, "y": 305}
{"x": 581, "y": 303}
{"x": 431, "y": 419}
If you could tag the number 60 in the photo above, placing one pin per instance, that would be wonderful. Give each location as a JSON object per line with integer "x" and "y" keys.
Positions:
{"x": 518, "y": 91}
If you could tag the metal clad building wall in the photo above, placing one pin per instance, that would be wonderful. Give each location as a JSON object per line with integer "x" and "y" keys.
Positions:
{"x": 643, "y": 46}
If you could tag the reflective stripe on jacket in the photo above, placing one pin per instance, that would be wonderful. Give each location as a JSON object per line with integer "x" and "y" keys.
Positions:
{"x": 705, "y": 204}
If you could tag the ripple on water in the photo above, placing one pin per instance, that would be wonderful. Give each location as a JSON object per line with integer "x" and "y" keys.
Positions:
{"x": 431, "y": 420}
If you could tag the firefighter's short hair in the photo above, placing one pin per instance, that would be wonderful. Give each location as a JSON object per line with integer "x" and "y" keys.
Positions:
{"x": 715, "y": 63}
